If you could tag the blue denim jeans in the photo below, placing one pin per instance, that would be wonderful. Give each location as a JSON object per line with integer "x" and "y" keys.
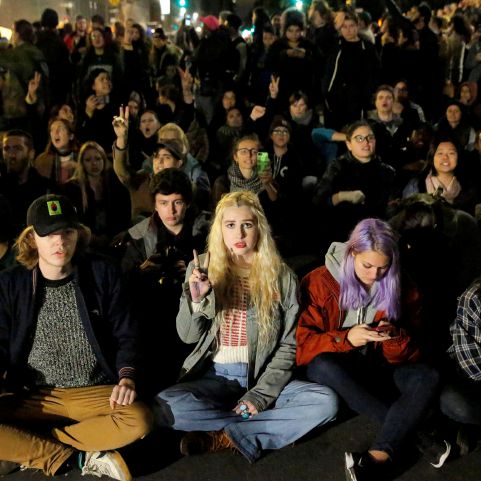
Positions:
{"x": 206, "y": 405}
{"x": 395, "y": 396}
{"x": 461, "y": 401}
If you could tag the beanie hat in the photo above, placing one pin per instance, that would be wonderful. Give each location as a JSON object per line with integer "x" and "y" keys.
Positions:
{"x": 280, "y": 121}
{"x": 50, "y": 213}
{"x": 210, "y": 22}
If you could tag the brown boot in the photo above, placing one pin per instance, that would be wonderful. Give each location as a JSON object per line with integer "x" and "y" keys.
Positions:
{"x": 199, "y": 442}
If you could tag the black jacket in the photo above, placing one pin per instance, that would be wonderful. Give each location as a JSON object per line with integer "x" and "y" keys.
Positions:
{"x": 103, "y": 308}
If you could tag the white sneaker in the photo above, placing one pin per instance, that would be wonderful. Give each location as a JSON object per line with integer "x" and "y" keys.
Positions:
{"x": 108, "y": 463}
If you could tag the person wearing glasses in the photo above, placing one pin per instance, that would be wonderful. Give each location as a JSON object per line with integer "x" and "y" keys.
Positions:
{"x": 244, "y": 174}
{"x": 355, "y": 186}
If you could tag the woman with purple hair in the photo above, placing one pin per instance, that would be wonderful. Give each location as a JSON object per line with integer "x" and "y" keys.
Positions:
{"x": 353, "y": 337}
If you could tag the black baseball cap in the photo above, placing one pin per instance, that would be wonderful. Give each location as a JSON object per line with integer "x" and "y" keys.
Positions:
{"x": 50, "y": 213}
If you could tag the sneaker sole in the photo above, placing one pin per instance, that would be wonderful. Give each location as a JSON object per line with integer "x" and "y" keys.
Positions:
{"x": 121, "y": 466}
{"x": 349, "y": 463}
{"x": 443, "y": 457}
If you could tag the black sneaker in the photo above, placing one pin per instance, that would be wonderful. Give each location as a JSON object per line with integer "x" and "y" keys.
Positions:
{"x": 362, "y": 467}
{"x": 434, "y": 449}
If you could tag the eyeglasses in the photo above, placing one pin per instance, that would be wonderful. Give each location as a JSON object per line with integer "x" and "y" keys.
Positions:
{"x": 245, "y": 151}
{"x": 280, "y": 132}
{"x": 361, "y": 138}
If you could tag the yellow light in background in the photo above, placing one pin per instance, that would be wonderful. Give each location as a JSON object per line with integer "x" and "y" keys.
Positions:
{"x": 6, "y": 33}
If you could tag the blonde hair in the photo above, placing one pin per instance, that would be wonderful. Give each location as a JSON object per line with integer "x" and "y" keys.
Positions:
{"x": 266, "y": 265}
{"x": 27, "y": 252}
{"x": 178, "y": 133}
{"x": 80, "y": 175}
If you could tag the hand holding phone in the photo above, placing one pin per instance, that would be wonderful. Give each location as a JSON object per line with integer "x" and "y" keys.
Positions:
{"x": 262, "y": 161}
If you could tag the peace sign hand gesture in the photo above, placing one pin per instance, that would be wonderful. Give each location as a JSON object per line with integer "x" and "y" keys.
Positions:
{"x": 274, "y": 87}
{"x": 199, "y": 283}
{"x": 121, "y": 127}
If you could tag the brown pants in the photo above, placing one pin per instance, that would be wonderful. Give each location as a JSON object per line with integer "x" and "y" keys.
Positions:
{"x": 77, "y": 419}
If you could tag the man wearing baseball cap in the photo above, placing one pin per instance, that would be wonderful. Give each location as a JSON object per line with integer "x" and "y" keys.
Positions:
{"x": 67, "y": 351}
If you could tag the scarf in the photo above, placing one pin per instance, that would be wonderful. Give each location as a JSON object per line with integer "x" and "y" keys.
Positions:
{"x": 449, "y": 192}
{"x": 239, "y": 182}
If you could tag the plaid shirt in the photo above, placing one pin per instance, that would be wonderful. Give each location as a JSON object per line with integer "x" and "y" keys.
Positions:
{"x": 466, "y": 333}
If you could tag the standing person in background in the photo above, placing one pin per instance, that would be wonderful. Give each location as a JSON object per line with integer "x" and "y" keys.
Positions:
{"x": 351, "y": 74}
{"x": 240, "y": 308}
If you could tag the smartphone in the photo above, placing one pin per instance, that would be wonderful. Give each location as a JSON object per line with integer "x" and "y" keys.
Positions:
{"x": 383, "y": 328}
{"x": 187, "y": 20}
{"x": 101, "y": 99}
{"x": 262, "y": 161}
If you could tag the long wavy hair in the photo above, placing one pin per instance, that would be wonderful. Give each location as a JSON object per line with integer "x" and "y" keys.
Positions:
{"x": 372, "y": 235}
{"x": 266, "y": 264}
{"x": 80, "y": 176}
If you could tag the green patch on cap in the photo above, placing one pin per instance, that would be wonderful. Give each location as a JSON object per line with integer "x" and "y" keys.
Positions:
{"x": 54, "y": 207}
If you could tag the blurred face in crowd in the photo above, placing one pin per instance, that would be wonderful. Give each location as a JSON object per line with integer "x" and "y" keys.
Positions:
{"x": 362, "y": 144}
{"x": 445, "y": 158}
{"x": 453, "y": 115}
{"x": 234, "y": 118}
{"x": 133, "y": 108}
{"x": 350, "y": 30}
{"x": 97, "y": 39}
{"x": 135, "y": 34}
{"x": 228, "y": 100}
{"x": 158, "y": 41}
{"x": 293, "y": 34}
{"x": 401, "y": 92}
{"x": 102, "y": 84}
{"x": 163, "y": 159}
{"x": 60, "y": 135}
{"x": 298, "y": 108}
{"x": 316, "y": 19}
{"x": 171, "y": 209}
{"x": 93, "y": 162}
{"x": 276, "y": 21}
{"x": 65, "y": 112}
{"x": 246, "y": 154}
{"x": 384, "y": 102}
{"x": 465, "y": 94}
{"x": 16, "y": 154}
{"x": 149, "y": 124}
{"x": 81, "y": 25}
{"x": 268, "y": 39}
{"x": 280, "y": 136}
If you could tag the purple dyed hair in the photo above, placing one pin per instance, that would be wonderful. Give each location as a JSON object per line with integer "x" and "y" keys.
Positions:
{"x": 372, "y": 235}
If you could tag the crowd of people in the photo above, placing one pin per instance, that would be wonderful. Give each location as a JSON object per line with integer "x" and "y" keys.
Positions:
{"x": 273, "y": 218}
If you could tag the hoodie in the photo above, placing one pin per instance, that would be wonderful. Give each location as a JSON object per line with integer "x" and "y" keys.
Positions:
{"x": 323, "y": 326}
{"x": 362, "y": 315}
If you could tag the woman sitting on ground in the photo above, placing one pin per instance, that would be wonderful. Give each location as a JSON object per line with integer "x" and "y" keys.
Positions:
{"x": 239, "y": 305}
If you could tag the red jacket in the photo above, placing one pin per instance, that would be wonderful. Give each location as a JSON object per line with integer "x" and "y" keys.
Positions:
{"x": 321, "y": 318}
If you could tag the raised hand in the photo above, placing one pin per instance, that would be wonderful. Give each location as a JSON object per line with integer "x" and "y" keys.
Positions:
{"x": 121, "y": 127}
{"x": 199, "y": 283}
{"x": 33, "y": 87}
{"x": 274, "y": 87}
{"x": 257, "y": 112}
